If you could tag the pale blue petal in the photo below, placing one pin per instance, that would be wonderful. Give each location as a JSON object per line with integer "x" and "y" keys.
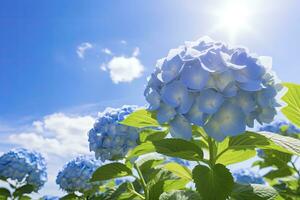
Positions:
{"x": 231, "y": 119}
{"x": 174, "y": 94}
{"x": 194, "y": 76}
{"x": 153, "y": 98}
{"x": 265, "y": 96}
{"x": 230, "y": 90}
{"x": 195, "y": 116}
{"x": 222, "y": 80}
{"x": 181, "y": 128}
{"x": 171, "y": 68}
{"x": 266, "y": 115}
{"x": 246, "y": 101}
{"x": 213, "y": 129}
{"x": 165, "y": 113}
{"x": 251, "y": 85}
{"x": 209, "y": 101}
{"x": 186, "y": 104}
{"x": 213, "y": 61}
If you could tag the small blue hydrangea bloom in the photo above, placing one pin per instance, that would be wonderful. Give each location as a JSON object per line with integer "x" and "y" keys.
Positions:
{"x": 109, "y": 139}
{"x": 210, "y": 84}
{"x": 24, "y": 166}
{"x": 76, "y": 173}
{"x": 280, "y": 127}
{"x": 246, "y": 176}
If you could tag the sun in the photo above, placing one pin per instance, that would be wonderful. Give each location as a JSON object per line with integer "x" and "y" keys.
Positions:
{"x": 234, "y": 17}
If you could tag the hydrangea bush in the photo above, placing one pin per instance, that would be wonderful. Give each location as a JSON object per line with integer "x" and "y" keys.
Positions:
{"x": 24, "y": 167}
{"x": 210, "y": 84}
{"x": 206, "y": 99}
{"x": 109, "y": 139}
{"x": 75, "y": 175}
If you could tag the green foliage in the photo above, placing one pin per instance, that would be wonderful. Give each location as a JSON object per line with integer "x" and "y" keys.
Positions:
{"x": 179, "y": 170}
{"x": 4, "y": 193}
{"x": 25, "y": 189}
{"x": 170, "y": 147}
{"x": 213, "y": 183}
{"x": 253, "y": 192}
{"x": 229, "y": 151}
{"x": 110, "y": 171}
{"x": 292, "y": 98}
{"x": 153, "y": 135}
{"x": 141, "y": 119}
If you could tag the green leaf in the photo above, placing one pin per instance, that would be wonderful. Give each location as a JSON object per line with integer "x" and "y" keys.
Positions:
{"x": 141, "y": 149}
{"x": 179, "y": 148}
{"x": 110, "y": 171}
{"x": 292, "y": 98}
{"x": 170, "y": 147}
{"x": 177, "y": 184}
{"x": 152, "y": 135}
{"x": 141, "y": 119}
{"x": 156, "y": 190}
{"x": 253, "y": 192}
{"x": 282, "y": 143}
{"x": 251, "y": 141}
{"x": 4, "y": 192}
{"x": 70, "y": 196}
{"x": 25, "y": 197}
{"x": 214, "y": 183}
{"x": 179, "y": 170}
{"x": 232, "y": 156}
{"x": 25, "y": 189}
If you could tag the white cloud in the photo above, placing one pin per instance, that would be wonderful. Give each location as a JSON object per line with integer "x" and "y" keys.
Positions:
{"x": 136, "y": 52}
{"x": 82, "y": 48}
{"x": 124, "y": 69}
{"x": 123, "y": 42}
{"x": 107, "y": 51}
{"x": 59, "y": 138}
{"x": 58, "y": 135}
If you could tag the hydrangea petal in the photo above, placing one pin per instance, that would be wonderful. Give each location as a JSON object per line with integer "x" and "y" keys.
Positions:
{"x": 209, "y": 101}
{"x": 165, "y": 113}
{"x": 213, "y": 129}
{"x": 174, "y": 94}
{"x": 251, "y": 86}
{"x": 246, "y": 101}
{"x": 193, "y": 76}
{"x": 231, "y": 119}
{"x": 180, "y": 128}
{"x": 153, "y": 98}
{"x": 171, "y": 68}
{"x": 195, "y": 116}
{"x": 213, "y": 61}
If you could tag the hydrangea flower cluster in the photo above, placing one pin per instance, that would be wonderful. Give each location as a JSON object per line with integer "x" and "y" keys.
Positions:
{"x": 246, "y": 176}
{"x": 24, "y": 166}
{"x": 210, "y": 84}
{"x": 109, "y": 139}
{"x": 76, "y": 173}
{"x": 281, "y": 127}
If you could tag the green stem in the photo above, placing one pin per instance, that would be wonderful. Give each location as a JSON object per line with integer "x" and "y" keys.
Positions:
{"x": 143, "y": 182}
{"x": 136, "y": 193}
{"x": 211, "y": 151}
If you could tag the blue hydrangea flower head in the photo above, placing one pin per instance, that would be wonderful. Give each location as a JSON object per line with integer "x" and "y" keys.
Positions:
{"x": 210, "y": 84}
{"x": 246, "y": 176}
{"x": 109, "y": 139}
{"x": 24, "y": 166}
{"x": 76, "y": 173}
{"x": 280, "y": 127}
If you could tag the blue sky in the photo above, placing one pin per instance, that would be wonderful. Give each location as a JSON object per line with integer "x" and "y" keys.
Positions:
{"x": 42, "y": 73}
